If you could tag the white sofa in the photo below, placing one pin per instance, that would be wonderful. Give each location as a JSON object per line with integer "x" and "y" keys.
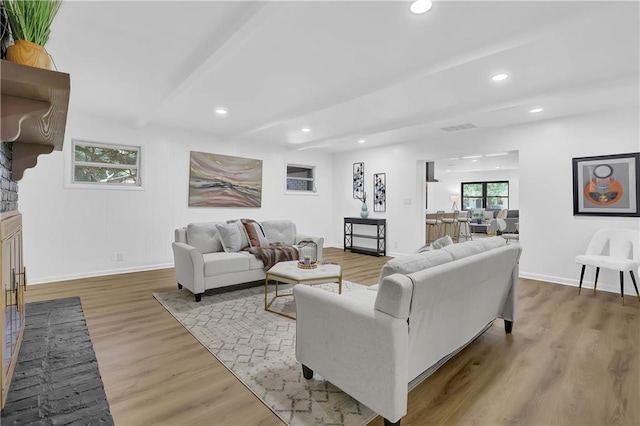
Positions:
{"x": 201, "y": 262}
{"x": 372, "y": 343}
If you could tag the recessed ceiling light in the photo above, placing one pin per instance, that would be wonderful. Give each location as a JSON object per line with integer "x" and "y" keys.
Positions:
{"x": 361, "y": 141}
{"x": 420, "y": 6}
{"x": 500, "y": 77}
{"x": 474, "y": 161}
{"x": 536, "y": 110}
{"x": 468, "y": 157}
{"x": 498, "y": 154}
{"x": 497, "y": 167}
{"x": 448, "y": 171}
{"x": 306, "y": 129}
{"x": 221, "y": 111}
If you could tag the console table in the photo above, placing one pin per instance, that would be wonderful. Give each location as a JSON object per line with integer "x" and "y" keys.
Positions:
{"x": 352, "y": 238}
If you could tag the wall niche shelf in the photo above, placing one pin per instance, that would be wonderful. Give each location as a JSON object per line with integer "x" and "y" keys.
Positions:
{"x": 33, "y": 112}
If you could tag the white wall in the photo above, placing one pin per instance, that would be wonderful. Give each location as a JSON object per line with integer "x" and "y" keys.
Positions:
{"x": 71, "y": 233}
{"x": 549, "y": 233}
{"x": 449, "y": 183}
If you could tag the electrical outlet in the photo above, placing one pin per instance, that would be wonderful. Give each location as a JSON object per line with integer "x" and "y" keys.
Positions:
{"x": 395, "y": 244}
{"x": 114, "y": 257}
{"x": 120, "y": 256}
{"x": 407, "y": 201}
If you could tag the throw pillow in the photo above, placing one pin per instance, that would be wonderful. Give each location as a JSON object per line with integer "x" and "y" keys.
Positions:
{"x": 244, "y": 239}
{"x": 442, "y": 242}
{"x": 424, "y": 248}
{"x": 230, "y": 237}
{"x": 255, "y": 233}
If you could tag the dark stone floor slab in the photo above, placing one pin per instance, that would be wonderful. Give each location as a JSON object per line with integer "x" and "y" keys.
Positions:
{"x": 56, "y": 380}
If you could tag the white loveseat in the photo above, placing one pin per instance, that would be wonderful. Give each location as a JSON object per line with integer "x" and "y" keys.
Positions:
{"x": 372, "y": 343}
{"x": 201, "y": 262}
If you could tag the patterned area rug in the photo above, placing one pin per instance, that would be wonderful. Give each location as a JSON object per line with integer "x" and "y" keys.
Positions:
{"x": 258, "y": 347}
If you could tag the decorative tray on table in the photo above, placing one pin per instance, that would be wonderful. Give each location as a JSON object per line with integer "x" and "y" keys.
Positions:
{"x": 312, "y": 265}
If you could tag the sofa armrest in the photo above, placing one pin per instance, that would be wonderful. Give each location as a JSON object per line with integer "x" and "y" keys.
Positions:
{"x": 188, "y": 267}
{"x": 357, "y": 348}
{"x": 318, "y": 240}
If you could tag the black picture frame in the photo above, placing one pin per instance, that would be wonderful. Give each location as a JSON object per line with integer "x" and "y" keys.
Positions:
{"x": 607, "y": 185}
{"x": 358, "y": 180}
{"x": 380, "y": 192}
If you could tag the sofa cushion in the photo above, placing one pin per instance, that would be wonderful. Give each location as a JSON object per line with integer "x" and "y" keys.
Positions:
{"x": 458, "y": 251}
{"x": 204, "y": 236}
{"x": 414, "y": 262}
{"x": 442, "y": 242}
{"x": 230, "y": 236}
{"x": 492, "y": 242}
{"x": 279, "y": 231}
{"x": 255, "y": 233}
{"x": 513, "y": 213}
{"x": 225, "y": 263}
{"x": 244, "y": 238}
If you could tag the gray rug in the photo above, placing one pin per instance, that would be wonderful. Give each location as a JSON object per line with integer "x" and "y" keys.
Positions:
{"x": 258, "y": 347}
{"x": 56, "y": 380}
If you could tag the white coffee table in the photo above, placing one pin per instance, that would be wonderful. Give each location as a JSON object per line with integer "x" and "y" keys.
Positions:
{"x": 289, "y": 273}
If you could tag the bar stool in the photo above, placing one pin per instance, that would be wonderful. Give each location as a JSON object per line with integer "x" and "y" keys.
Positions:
{"x": 450, "y": 224}
{"x": 434, "y": 226}
{"x": 464, "y": 229}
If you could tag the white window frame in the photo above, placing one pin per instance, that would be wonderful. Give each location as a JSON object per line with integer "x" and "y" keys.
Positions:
{"x": 71, "y": 183}
{"x": 314, "y": 169}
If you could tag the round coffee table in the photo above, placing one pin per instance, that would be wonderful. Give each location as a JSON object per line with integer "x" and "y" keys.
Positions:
{"x": 289, "y": 273}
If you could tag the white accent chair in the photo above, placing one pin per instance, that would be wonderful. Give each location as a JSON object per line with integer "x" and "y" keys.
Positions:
{"x": 498, "y": 226}
{"x": 610, "y": 248}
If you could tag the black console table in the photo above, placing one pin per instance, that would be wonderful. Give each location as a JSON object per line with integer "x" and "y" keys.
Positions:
{"x": 380, "y": 236}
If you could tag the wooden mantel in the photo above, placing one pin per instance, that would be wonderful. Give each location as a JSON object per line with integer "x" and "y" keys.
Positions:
{"x": 34, "y": 112}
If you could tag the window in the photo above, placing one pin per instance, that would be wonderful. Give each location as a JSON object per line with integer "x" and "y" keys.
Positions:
{"x": 301, "y": 179}
{"x": 105, "y": 164}
{"x": 488, "y": 195}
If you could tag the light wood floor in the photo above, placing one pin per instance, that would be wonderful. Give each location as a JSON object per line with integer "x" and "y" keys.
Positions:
{"x": 571, "y": 360}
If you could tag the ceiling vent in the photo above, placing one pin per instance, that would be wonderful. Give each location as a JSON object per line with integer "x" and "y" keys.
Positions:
{"x": 458, "y": 127}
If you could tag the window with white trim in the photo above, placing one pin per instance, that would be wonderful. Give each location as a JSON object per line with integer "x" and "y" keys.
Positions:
{"x": 105, "y": 164}
{"x": 301, "y": 179}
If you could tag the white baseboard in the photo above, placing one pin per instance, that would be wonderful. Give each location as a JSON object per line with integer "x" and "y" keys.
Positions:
{"x": 103, "y": 273}
{"x": 602, "y": 286}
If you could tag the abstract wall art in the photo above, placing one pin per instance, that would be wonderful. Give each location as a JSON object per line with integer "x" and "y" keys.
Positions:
{"x": 358, "y": 180}
{"x": 607, "y": 185}
{"x": 223, "y": 181}
{"x": 380, "y": 192}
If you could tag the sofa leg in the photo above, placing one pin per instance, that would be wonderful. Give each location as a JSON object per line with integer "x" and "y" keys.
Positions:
{"x": 388, "y": 423}
{"x": 198, "y": 297}
{"x": 307, "y": 373}
{"x": 179, "y": 286}
{"x": 508, "y": 326}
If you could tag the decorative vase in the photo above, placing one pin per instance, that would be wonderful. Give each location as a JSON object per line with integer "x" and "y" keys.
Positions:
{"x": 27, "y": 53}
{"x": 364, "y": 211}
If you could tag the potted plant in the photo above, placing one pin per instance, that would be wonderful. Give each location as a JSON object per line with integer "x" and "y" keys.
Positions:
{"x": 30, "y": 23}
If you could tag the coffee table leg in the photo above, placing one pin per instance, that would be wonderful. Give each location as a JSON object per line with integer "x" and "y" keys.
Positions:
{"x": 340, "y": 285}
{"x": 266, "y": 284}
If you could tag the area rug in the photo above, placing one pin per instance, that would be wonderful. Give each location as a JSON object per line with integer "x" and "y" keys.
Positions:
{"x": 258, "y": 347}
{"x": 56, "y": 379}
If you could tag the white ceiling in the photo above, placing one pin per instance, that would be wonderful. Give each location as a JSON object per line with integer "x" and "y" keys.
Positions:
{"x": 347, "y": 70}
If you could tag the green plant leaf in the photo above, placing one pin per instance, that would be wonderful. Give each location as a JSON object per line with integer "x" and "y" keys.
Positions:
{"x": 30, "y": 20}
